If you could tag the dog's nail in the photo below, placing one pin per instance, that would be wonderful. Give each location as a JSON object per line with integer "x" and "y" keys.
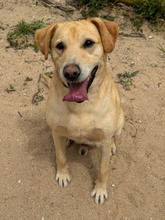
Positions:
{"x": 97, "y": 199}
{"x": 93, "y": 193}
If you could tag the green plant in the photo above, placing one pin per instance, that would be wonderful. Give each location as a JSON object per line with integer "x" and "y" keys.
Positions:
{"x": 28, "y": 79}
{"x": 107, "y": 17}
{"x": 137, "y": 23}
{"x": 150, "y": 9}
{"x": 1, "y": 27}
{"x": 11, "y": 89}
{"x": 126, "y": 79}
{"x": 161, "y": 49}
{"x": 37, "y": 97}
{"x": 23, "y": 34}
{"x": 50, "y": 74}
{"x": 92, "y": 6}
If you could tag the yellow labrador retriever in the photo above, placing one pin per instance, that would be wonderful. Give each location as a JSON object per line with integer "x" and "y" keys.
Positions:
{"x": 83, "y": 102}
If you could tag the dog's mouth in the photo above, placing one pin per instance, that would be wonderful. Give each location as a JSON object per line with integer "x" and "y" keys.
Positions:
{"x": 78, "y": 90}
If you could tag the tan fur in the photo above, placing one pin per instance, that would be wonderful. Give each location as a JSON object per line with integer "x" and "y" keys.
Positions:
{"x": 93, "y": 122}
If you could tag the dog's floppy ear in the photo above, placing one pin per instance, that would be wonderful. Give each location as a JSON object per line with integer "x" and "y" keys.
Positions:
{"x": 108, "y": 31}
{"x": 43, "y": 37}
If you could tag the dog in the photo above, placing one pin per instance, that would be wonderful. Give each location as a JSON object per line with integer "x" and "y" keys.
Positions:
{"x": 83, "y": 102}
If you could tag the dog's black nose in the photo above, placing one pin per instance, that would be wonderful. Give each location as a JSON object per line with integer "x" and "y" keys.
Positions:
{"x": 71, "y": 72}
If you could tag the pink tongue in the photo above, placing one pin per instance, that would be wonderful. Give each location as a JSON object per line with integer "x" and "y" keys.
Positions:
{"x": 78, "y": 92}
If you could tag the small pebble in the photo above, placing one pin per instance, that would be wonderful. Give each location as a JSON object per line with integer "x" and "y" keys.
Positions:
{"x": 140, "y": 122}
{"x": 113, "y": 185}
{"x": 24, "y": 94}
{"x": 122, "y": 100}
{"x": 19, "y": 181}
{"x": 150, "y": 36}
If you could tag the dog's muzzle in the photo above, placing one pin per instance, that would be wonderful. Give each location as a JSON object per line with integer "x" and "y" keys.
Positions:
{"x": 78, "y": 90}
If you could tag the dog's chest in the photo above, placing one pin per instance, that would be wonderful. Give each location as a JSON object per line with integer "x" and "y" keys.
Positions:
{"x": 84, "y": 128}
{"x": 86, "y": 136}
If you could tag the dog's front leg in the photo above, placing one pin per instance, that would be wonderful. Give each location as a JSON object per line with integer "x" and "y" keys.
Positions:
{"x": 99, "y": 190}
{"x": 62, "y": 175}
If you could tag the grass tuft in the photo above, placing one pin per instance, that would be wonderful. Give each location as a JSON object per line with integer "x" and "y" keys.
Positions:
{"x": 92, "y": 7}
{"x": 37, "y": 97}
{"x": 23, "y": 34}
{"x": 137, "y": 23}
{"x": 28, "y": 79}
{"x": 161, "y": 49}
{"x": 126, "y": 79}
{"x": 10, "y": 89}
{"x": 150, "y": 9}
{"x": 49, "y": 74}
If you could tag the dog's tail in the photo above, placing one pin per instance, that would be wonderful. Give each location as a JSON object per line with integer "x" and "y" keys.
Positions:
{"x": 47, "y": 79}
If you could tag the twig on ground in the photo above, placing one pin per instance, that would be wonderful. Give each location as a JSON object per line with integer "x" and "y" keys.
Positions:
{"x": 132, "y": 35}
{"x": 20, "y": 114}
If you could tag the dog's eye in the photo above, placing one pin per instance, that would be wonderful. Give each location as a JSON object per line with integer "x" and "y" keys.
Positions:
{"x": 60, "y": 46}
{"x": 88, "y": 43}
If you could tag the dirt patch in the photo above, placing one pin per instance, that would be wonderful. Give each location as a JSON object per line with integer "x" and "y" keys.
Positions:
{"x": 136, "y": 183}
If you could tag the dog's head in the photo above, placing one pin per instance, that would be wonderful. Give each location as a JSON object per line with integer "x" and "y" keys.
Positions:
{"x": 77, "y": 50}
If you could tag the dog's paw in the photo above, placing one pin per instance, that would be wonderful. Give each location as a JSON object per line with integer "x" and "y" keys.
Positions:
{"x": 100, "y": 194}
{"x": 63, "y": 178}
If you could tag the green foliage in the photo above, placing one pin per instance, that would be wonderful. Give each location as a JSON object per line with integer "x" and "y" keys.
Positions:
{"x": 23, "y": 34}
{"x": 107, "y": 17}
{"x": 150, "y": 9}
{"x": 28, "y": 79}
{"x": 10, "y": 89}
{"x": 1, "y": 27}
{"x": 137, "y": 23}
{"x": 49, "y": 74}
{"x": 37, "y": 97}
{"x": 161, "y": 49}
{"x": 126, "y": 79}
{"x": 93, "y": 6}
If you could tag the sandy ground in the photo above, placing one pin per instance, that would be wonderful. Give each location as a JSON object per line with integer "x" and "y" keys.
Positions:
{"x": 136, "y": 184}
